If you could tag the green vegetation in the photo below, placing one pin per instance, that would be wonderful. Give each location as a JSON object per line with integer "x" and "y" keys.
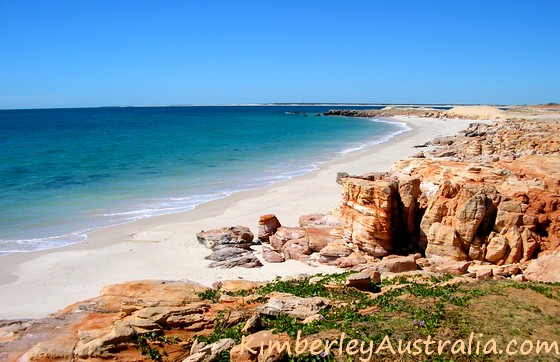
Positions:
{"x": 330, "y": 286}
{"x": 213, "y": 295}
{"x": 146, "y": 345}
{"x": 223, "y": 328}
{"x": 406, "y": 309}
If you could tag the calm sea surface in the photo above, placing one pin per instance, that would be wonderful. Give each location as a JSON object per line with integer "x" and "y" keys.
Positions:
{"x": 67, "y": 171}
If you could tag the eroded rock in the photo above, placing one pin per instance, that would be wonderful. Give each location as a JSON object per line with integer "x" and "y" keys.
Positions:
{"x": 290, "y": 305}
{"x": 236, "y": 236}
{"x": 544, "y": 269}
{"x": 268, "y": 225}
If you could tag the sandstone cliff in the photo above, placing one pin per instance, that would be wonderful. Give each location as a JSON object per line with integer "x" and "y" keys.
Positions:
{"x": 490, "y": 194}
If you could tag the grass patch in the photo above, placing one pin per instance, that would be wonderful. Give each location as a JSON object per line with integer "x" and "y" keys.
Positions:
{"x": 406, "y": 309}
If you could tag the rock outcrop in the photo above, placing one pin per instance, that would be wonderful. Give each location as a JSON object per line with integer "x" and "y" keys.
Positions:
{"x": 316, "y": 232}
{"x": 236, "y": 236}
{"x": 481, "y": 112}
{"x": 284, "y": 304}
{"x": 490, "y": 194}
{"x": 98, "y": 328}
{"x": 231, "y": 247}
{"x": 268, "y": 224}
{"x": 544, "y": 269}
{"x": 367, "y": 215}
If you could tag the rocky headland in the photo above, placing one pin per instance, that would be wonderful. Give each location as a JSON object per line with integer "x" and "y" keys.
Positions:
{"x": 482, "y": 206}
{"x": 462, "y": 112}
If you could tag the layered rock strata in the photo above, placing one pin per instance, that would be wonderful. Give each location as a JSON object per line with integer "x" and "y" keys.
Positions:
{"x": 493, "y": 197}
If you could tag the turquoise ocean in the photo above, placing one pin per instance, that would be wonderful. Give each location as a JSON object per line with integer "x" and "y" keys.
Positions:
{"x": 65, "y": 172}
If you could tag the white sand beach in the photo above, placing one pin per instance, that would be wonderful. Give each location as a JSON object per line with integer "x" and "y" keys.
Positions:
{"x": 34, "y": 284}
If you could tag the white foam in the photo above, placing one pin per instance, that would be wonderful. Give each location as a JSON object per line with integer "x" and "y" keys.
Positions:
{"x": 378, "y": 139}
{"x": 26, "y": 245}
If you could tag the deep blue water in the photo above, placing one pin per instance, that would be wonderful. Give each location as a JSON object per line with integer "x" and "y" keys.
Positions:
{"x": 68, "y": 171}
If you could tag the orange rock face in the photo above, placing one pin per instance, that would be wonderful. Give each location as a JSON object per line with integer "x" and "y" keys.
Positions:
{"x": 367, "y": 215}
{"x": 97, "y": 328}
{"x": 491, "y": 194}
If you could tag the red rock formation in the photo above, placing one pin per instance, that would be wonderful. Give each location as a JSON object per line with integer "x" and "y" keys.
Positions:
{"x": 367, "y": 215}
{"x": 299, "y": 242}
{"x": 98, "y": 328}
{"x": 268, "y": 224}
{"x": 494, "y": 196}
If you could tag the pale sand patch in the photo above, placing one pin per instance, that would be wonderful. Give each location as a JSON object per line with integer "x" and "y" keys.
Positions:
{"x": 37, "y": 283}
{"x": 478, "y": 111}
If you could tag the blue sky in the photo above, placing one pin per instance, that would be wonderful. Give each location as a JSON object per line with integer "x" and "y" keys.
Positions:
{"x": 111, "y": 53}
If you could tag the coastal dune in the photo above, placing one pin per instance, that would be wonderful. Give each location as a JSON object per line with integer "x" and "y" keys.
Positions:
{"x": 478, "y": 111}
{"x": 35, "y": 284}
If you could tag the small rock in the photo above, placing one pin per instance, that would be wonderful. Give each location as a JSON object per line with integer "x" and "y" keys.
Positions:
{"x": 319, "y": 237}
{"x": 506, "y": 270}
{"x": 197, "y": 346}
{"x": 252, "y": 325}
{"x": 340, "y": 176}
{"x": 484, "y": 274}
{"x": 237, "y": 236}
{"x": 453, "y": 268}
{"x": 497, "y": 247}
{"x": 212, "y": 351}
{"x": 236, "y": 285}
{"x": 360, "y": 281}
{"x": 296, "y": 249}
{"x": 245, "y": 261}
{"x": 544, "y": 269}
{"x": 337, "y": 249}
{"x": 268, "y": 224}
{"x": 446, "y": 153}
{"x": 398, "y": 264}
{"x": 272, "y": 256}
{"x": 320, "y": 220}
{"x": 423, "y": 262}
{"x": 351, "y": 260}
{"x": 290, "y": 305}
{"x": 315, "y": 280}
{"x": 285, "y": 234}
{"x": 312, "y": 318}
{"x": 227, "y": 253}
{"x": 253, "y": 342}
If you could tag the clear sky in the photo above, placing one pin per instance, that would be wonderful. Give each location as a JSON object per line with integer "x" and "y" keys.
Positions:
{"x": 119, "y": 52}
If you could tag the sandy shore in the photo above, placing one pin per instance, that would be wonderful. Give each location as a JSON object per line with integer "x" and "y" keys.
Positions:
{"x": 35, "y": 284}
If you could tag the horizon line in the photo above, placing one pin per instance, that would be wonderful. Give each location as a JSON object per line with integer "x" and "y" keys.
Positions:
{"x": 295, "y": 104}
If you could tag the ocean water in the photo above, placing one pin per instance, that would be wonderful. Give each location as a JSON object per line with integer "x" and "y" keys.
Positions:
{"x": 65, "y": 172}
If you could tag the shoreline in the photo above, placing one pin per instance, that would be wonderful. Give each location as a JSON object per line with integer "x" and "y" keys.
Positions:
{"x": 165, "y": 247}
{"x": 63, "y": 231}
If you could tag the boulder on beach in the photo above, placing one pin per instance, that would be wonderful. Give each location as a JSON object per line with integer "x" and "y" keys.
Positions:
{"x": 268, "y": 224}
{"x": 236, "y": 236}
